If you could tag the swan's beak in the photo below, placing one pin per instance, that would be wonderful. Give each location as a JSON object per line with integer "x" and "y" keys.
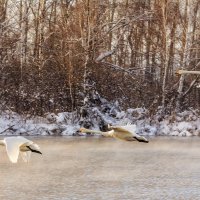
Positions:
{"x": 142, "y": 139}
{"x": 36, "y": 151}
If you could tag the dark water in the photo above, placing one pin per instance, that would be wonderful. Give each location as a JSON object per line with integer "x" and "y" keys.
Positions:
{"x": 104, "y": 169}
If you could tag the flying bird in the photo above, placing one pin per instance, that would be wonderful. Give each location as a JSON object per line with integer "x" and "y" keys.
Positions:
{"x": 126, "y": 133}
{"x": 18, "y": 144}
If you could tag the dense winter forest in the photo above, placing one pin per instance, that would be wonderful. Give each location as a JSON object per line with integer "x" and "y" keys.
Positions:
{"x": 70, "y": 55}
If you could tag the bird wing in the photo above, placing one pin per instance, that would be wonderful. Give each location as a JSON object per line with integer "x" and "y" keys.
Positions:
{"x": 13, "y": 146}
{"x": 128, "y": 132}
{"x": 121, "y": 133}
{"x": 34, "y": 146}
{"x": 131, "y": 128}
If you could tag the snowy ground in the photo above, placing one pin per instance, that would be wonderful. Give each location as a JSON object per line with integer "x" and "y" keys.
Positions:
{"x": 183, "y": 124}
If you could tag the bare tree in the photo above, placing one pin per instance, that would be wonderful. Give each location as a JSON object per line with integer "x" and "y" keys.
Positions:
{"x": 67, "y": 53}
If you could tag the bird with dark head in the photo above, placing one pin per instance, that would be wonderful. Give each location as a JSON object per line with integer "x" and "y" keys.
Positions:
{"x": 18, "y": 144}
{"x": 126, "y": 133}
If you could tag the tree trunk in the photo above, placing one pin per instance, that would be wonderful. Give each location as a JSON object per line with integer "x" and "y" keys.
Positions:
{"x": 24, "y": 31}
{"x": 179, "y": 101}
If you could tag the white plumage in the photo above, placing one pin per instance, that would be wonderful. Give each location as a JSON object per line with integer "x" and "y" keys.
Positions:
{"x": 120, "y": 132}
{"x": 18, "y": 144}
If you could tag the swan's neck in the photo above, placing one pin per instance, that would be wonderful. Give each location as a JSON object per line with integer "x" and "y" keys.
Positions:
{"x": 91, "y": 131}
{"x": 2, "y": 143}
{"x": 104, "y": 133}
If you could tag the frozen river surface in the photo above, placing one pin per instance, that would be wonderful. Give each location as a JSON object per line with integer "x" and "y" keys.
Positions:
{"x": 79, "y": 168}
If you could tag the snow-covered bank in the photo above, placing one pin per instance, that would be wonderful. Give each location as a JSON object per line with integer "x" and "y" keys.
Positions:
{"x": 14, "y": 124}
{"x": 186, "y": 123}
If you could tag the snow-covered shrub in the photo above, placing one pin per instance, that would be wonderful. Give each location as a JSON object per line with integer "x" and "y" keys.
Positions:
{"x": 186, "y": 123}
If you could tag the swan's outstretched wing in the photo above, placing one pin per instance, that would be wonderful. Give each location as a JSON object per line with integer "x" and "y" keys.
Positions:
{"x": 129, "y": 128}
{"x": 13, "y": 147}
{"x": 128, "y": 133}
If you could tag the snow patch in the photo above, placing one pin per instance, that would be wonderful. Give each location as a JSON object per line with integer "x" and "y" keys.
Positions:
{"x": 183, "y": 124}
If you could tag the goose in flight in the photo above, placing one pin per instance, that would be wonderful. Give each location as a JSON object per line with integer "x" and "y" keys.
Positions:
{"x": 120, "y": 132}
{"x": 18, "y": 144}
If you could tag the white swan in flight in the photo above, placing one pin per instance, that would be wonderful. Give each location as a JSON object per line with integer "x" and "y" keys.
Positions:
{"x": 18, "y": 144}
{"x": 120, "y": 132}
